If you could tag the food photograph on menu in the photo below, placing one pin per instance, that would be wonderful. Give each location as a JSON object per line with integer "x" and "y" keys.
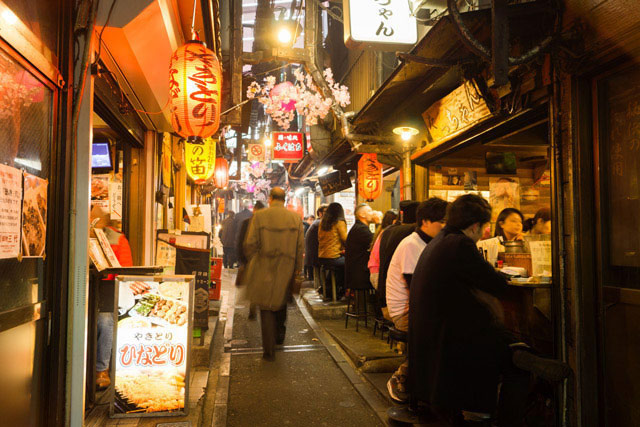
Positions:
{"x": 34, "y": 216}
{"x": 152, "y": 345}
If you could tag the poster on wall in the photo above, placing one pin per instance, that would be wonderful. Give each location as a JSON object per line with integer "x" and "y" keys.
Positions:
{"x": 348, "y": 201}
{"x": 200, "y": 216}
{"x": 115, "y": 200}
{"x": 10, "y": 207}
{"x": 34, "y": 216}
{"x": 151, "y": 354}
{"x": 503, "y": 193}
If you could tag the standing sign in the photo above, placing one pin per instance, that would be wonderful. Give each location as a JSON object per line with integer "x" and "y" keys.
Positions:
{"x": 380, "y": 24}
{"x": 287, "y": 146}
{"x": 197, "y": 263}
{"x": 152, "y": 345}
{"x": 255, "y": 153}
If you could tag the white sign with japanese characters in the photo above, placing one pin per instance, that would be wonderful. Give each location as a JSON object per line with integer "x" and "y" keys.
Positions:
{"x": 10, "y": 207}
{"x": 378, "y": 23}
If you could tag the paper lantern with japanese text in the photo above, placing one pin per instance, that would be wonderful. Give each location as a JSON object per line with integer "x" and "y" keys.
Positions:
{"x": 369, "y": 176}
{"x": 195, "y": 82}
{"x": 200, "y": 160}
{"x": 221, "y": 177}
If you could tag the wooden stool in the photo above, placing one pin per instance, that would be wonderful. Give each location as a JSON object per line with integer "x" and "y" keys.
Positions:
{"x": 323, "y": 278}
{"x": 396, "y": 335}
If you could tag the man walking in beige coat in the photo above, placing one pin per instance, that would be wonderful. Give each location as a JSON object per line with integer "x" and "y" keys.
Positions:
{"x": 274, "y": 247}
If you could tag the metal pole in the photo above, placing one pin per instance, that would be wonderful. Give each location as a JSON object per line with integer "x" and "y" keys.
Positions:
{"x": 406, "y": 174}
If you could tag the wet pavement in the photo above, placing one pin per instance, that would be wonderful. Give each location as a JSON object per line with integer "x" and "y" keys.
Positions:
{"x": 304, "y": 386}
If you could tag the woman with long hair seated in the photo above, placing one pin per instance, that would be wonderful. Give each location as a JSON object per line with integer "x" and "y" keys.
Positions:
{"x": 332, "y": 235}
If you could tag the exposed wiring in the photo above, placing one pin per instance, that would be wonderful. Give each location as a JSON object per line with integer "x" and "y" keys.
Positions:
{"x": 106, "y": 24}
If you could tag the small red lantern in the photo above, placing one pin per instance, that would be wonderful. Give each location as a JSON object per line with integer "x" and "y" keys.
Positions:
{"x": 221, "y": 174}
{"x": 195, "y": 85}
{"x": 369, "y": 176}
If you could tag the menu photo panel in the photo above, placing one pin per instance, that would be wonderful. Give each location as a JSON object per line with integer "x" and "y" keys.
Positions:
{"x": 151, "y": 351}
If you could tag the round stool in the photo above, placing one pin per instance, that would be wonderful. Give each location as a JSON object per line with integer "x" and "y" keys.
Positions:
{"x": 323, "y": 279}
{"x": 356, "y": 307}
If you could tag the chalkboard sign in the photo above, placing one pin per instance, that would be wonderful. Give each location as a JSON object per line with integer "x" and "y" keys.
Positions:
{"x": 334, "y": 182}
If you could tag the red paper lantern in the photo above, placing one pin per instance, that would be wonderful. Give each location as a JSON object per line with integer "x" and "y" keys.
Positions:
{"x": 195, "y": 85}
{"x": 221, "y": 174}
{"x": 369, "y": 176}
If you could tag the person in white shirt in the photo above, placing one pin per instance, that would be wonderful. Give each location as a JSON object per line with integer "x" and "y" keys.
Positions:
{"x": 430, "y": 218}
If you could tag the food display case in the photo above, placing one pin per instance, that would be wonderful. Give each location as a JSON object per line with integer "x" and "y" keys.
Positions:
{"x": 152, "y": 345}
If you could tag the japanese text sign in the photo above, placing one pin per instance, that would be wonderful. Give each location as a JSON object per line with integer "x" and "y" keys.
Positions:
{"x": 151, "y": 351}
{"x": 10, "y": 207}
{"x": 379, "y": 23}
{"x": 200, "y": 160}
{"x": 287, "y": 145}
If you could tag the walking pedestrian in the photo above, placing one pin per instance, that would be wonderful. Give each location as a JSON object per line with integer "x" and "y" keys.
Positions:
{"x": 459, "y": 349}
{"x": 242, "y": 258}
{"x": 311, "y": 244}
{"x": 356, "y": 254}
{"x": 429, "y": 221}
{"x": 274, "y": 248}
{"x": 228, "y": 244}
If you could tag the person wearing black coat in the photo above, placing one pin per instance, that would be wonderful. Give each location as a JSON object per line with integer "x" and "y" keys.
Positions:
{"x": 311, "y": 243}
{"x": 356, "y": 254}
{"x": 459, "y": 349}
{"x": 389, "y": 241}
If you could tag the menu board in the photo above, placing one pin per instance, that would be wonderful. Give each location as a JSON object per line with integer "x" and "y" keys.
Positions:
{"x": 10, "y": 207}
{"x": 151, "y": 354}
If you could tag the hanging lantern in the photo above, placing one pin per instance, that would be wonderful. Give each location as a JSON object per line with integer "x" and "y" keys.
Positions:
{"x": 369, "y": 176}
{"x": 200, "y": 160}
{"x": 195, "y": 84}
{"x": 221, "y": 176}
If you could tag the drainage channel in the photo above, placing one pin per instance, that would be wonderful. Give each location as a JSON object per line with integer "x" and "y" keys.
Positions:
{"x": 284, "y": 349}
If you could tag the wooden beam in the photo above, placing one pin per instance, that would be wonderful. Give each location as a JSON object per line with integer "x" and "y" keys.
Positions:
{"x": 500, "y": 42}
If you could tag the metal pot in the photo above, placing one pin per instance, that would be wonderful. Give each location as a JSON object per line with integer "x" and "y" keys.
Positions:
{"x": 514, "y": 247}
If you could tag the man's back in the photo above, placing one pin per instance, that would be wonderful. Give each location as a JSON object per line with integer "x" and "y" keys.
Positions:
{"x": 274, "y": 247}
{"x": 389, "y": 241}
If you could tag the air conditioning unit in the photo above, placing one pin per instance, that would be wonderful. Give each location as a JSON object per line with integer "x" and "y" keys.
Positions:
{"x": 428, "y": 10}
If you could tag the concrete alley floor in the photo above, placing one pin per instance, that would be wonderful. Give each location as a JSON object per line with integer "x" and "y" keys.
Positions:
{"x": 310, "y": 383}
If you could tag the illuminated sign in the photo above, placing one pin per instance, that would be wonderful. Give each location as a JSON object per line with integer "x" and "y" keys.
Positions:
{"x": 200, "y": 160}
{"x": 379, "y": 23}
{"x": 152, "y": 344}
{"x": 287, "y": 145}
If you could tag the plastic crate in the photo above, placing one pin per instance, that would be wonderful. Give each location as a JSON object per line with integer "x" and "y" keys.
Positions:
{"x": 214, "y": 289}
{"x": 216, "y": 268}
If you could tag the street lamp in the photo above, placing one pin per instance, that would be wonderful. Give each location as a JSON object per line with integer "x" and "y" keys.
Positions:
{"x": 266, "y": 141}
{"x": 284, "y": 36}
{"x": 405, "y": 132}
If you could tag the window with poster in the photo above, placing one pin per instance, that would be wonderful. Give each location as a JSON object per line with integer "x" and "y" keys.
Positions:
{"x": 32, "y": 177}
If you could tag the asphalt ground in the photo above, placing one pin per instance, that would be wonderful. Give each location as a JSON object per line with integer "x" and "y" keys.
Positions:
{"x": 303, "y": 387}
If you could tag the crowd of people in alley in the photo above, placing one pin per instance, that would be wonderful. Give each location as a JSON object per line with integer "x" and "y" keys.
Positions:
{"x": 427, "y": 279}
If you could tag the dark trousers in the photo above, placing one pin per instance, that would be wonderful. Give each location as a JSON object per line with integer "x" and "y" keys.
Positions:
{"x": 229, "y": 256}
{"x": 273, "y": 328}
{"x": 338, "y": 265}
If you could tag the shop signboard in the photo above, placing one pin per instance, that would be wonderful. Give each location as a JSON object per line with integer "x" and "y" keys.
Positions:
{"x": 334, "y": 182}
{"x": 455, "y": 113}
{"x": 10, "y": 207}
{"x": 196, "y": 262}
{"x": 255, "y": 153}
{"x": 152, "y": 345}
{"x": 288, "y": 146}
{"x": 380, "y": 24}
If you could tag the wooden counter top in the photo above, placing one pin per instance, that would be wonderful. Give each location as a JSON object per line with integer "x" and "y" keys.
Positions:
{"x": 529, "y": 284}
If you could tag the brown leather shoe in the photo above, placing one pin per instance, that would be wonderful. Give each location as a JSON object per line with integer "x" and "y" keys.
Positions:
{"x": 102, "y": 379}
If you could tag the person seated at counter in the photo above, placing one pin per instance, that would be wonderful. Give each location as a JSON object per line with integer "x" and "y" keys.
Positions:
{"x": 509, "y": 225}
{"x": 101, "y": 218}
{"x": 332, "y": 236}
{"x": 462, "y": 361}
{"x": 539, "y": 224}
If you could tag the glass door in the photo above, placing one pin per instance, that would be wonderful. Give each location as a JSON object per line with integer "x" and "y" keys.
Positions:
{"x": 617, "y": 154}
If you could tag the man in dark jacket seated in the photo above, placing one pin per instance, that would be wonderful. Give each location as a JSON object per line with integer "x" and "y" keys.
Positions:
{"x": 356, "y": 253}
{"x": 459, "y": 350}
